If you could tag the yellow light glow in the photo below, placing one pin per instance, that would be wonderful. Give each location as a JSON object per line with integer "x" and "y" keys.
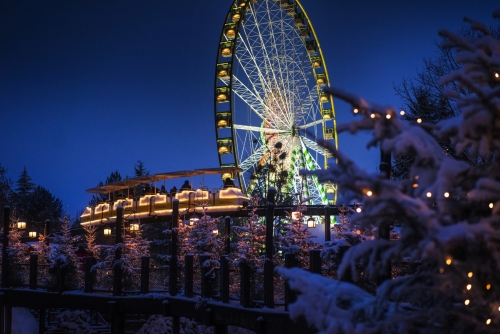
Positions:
{"x": 369, "y": 193}
{"x": 320, "y": 81}
{"x": 372, "y": 115}
{"x": 222, "y": 123}
{"x": 388, "y": 116}
{"x": 429, "y": 194}
{"x": 222, "y": 73}
{"x": 491, "y": 205}
{"x": 226, "y": 52}
{"x": 358, "y": 210}
{"x": 21, "y": 225}
{"x": 448, "y": 261}
{"x": 467, "y": 302}
{"x": 316, "y": 64}
{"x": 223, "y": 149}
{"x": 230, "y": 33}
{"x": 497, "y": 75}
{"x": 488, "y": 286}
{"x": 32, "y": 234}
{"x": 221, "y": 97}
{"x": 358, "y": 232}
{"x": 446, "y": 194}
{"x": 107, "y": 231}
{"x": 402, "y": 112}
{"x": 488, "y": 321}
{"x": 415, "y": 185}
{"x": 355, "y": 110}
{"x": 470, "y": 274}
{"x": 469, "y": 286}
{"x": 236, "y": 17}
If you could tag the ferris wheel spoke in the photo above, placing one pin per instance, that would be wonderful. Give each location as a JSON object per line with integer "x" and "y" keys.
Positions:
{"x": 258, "y": 129}
{"x": 308, "y": 125}
{"x": 252, "y": 160}
{"x": 315, "y": 147}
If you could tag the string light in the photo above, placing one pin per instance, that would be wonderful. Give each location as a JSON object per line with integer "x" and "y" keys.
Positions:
{"x": 358, "y": 232}
{"x": 372, "y": 115}
{"x": 488, "y": 321}
{"x": 448, "y": 261}
{"x": 446, "y": 194}
{"x": 488, "y": 286}
{"x": 467, "y": 302}
{"x": 419, "y": 120}
{"x": 388, "y": 116}
{"x": 429, "y": 194}
{"x": 491, "y": 205}
{"x": 402, "y": 112}
{"x": 470, "y": 274}
{"x": 415, "y": 185}
{"x": 498, "y": 308}
{"x": 497, "y": 75}
{"x": 469, "y": 286}
{"x": 358, "y": 210}
{"x": 369, "y": 193}
{"x": 355, "y": 110}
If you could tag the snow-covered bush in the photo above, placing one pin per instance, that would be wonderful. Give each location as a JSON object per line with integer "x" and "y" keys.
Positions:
{"x": 448, "y": 210}
{"x": 74, "y": 321}
{"x": 158, "y": 324}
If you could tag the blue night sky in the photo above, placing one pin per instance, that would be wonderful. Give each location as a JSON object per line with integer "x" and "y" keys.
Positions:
{"x": 90, "y": 87}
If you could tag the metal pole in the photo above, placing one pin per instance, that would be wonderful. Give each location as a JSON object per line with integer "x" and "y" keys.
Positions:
{"x": 117, "y": 283}
{"x": 268, "y": 264}
{"x": 227, "y": 232}
{"x": 172, "y": 289}
{"x": 5, "y": 258}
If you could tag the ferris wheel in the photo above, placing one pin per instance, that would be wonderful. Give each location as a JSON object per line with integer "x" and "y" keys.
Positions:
{"x": 269, "y": 105}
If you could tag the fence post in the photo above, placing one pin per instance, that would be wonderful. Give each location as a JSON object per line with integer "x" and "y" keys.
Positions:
{"x": 5, "y": 257}
{"x": 290, "y": 295}
{"x": 224, "y": 279}
{"x": 117, "y": 270}
{"x": 245, "y": 273}
{"x": 315, "y": 261}
{"x": 188, "y": 275}
{"x": 90, "y": 261}
{"x": 117, "y": 318}
{"x": 145, "y": 274}
{"x": 172, "y": 282}
{"x": 328, "y": 231}
{"x": 33, "y": 271}
{"x": 206, "y": 289}
{"x": 268, "y": 264}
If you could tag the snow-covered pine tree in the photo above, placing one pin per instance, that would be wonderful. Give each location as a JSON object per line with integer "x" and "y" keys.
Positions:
{"x": 18, "y": 253}
{"x": 63, "y": 257}
{"x": 133, "y": 249}
{"x": 449, "y": 213}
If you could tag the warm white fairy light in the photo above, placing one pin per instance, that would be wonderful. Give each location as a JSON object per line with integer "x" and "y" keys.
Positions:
{"x": 369, "y": 193}
{"x": 358, "y": 231}
{"x": 469, "y": 286}
{"x": 470, "y": 274}
{"x": 358, "y": 210}
{"x": 497, "y": 75}
{"x": 488, "y": 321}
{"x": 448, "y": 261}
{"x": 372, "y": 115}
{"x": 388, "y": 116}
{"x": 429, "y": 194}
{"x": 355, "y": 110}
{"x": 467, "y": 302}
{"x": 446, "y": 194}
{"x": 488, "y": 286}
{"x": 419, "y": 120}
{"x": 402, "y": 112}
{"x": 491, "y": 205}
{"x": 415, "y": 185}
{"x": 498, "y": 308}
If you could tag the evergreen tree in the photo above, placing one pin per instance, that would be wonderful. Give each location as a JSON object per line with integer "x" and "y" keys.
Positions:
{"x": 40, "y": 205}
{"x": 424, "y": 99}
{"x": 24, "y": 184}
{"x": 449, "y": 212}
{"x": 98, "y": 198}
{"x": 140, "y": 169}
{"x": 6, "y": 192}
